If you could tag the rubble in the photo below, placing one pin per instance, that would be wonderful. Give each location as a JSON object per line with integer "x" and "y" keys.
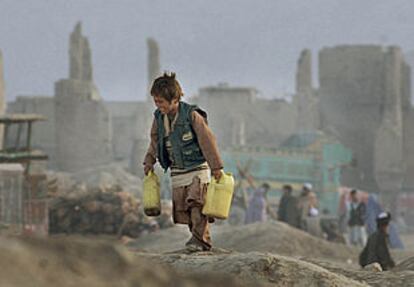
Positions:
{"x": 109, "y": 176}
{"x": 99, "y": 201}
{"x": 97, "y": 211}
{"x": 103, "y": 177}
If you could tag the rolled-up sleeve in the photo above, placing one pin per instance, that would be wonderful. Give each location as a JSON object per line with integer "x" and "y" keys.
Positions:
{"x": 207, "y": 141}
{"x": 151, "y": 155}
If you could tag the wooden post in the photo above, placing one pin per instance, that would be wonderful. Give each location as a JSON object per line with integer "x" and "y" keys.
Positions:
{"x": 29, "y": 135}
{"x": 17, "y": 142}
{"x": 6, "y": 131}
{"x": 28, "y": 142}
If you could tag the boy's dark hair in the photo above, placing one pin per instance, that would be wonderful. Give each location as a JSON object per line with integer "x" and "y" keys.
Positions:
{"x": 288, "y": 187}
{"x": 167, "y": 87}
{"x": 354, "y": 191}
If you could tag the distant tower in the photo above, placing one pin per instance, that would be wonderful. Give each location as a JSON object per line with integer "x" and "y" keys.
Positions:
{"x": 80, "y": 64}
{"x": 2, "y": 98}
{"x": 389, "y": 167}
{"x": 305, "y": 99}
{"x": 153, "y": 63}
{"x": 304, "y": 73}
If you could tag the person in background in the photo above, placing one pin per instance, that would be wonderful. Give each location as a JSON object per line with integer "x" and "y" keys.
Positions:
{"x": 303, "y": 205}
{"x": 257, "y": 207}
{"x": 313, "y": 205}
{"x": 376, "y": 250}
{"x": 288, "y": 209}
{"x": 356, "y": 222}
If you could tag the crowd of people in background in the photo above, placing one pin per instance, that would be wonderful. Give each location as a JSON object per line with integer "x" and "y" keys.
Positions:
{"x": 291, "y": 210}
{"x": 299, "y": 212}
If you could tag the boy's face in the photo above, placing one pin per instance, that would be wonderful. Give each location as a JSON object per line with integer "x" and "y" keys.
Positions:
{"x": 165, "y": 106}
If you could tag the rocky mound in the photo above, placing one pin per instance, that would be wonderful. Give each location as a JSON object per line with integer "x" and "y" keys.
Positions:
{"x": 70, "y": 262}
{"x": 253, "y": 268}
{"x": 165, "y": 240}
{"x": 280, "y": 238}
{"x": 274, "y": 237}
{"x": 399, "y": 276}
{"x": 406, "y": 265}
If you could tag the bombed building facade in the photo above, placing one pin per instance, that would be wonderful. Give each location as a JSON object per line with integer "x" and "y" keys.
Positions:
{"x": 363, "y": 100}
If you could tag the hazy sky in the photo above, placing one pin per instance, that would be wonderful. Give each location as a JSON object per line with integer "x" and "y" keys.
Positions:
{"x": 242, "y": 42}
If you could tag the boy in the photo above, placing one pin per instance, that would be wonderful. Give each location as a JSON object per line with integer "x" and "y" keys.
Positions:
{"x": 182, "y": 141}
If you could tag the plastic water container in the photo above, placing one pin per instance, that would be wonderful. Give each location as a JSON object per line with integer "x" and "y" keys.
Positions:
{"x": 151, "y": 196}
{"x": 219, "y": 197}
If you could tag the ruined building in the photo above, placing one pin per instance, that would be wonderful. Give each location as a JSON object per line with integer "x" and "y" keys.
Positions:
{"x": 78, "y": 133}
{"x": 83, "y": 123}
{"x": 2, "y": 97}
{"x": 363, "y": 100}
{"x": 238, "y": 117}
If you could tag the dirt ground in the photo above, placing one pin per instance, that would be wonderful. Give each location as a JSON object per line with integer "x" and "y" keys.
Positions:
{"x": 270, "y": 254}
{"x": 408, "y": 240}
{"x": 273, "y": 237}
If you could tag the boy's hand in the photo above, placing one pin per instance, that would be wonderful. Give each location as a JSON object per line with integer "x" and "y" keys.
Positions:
{"x": 217, "y": 174}
{"x": 148, "y": 168}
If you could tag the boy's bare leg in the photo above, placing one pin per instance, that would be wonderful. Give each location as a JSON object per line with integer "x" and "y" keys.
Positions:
{"x": 199, "y": 228}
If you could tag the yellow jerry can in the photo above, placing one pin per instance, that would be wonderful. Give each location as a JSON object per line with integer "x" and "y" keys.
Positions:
{"x": 151, "y": 196}
{"x": 219, "y": 197}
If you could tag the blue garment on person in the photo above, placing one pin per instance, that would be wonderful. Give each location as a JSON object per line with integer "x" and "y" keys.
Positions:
{"x": 256, "y": 209}
{"x": 373, "y": 210}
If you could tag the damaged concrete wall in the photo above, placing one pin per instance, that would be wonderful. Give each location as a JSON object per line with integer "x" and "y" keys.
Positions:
{"x": 355, "y": 83}
{"x": 408, "y": 131}
{"x": 351, "y": 96}
{"x": 238, "y": 117}
{"x": 2, "y": 98}
{"x": 388, "y": 153}
{"x": 125, "y": 123}
{"x": 83, "y": 127}
{"x": 83, "y": 123}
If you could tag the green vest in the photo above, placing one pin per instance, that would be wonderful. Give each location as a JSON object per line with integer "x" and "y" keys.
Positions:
{"x": 186, "y": 150}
